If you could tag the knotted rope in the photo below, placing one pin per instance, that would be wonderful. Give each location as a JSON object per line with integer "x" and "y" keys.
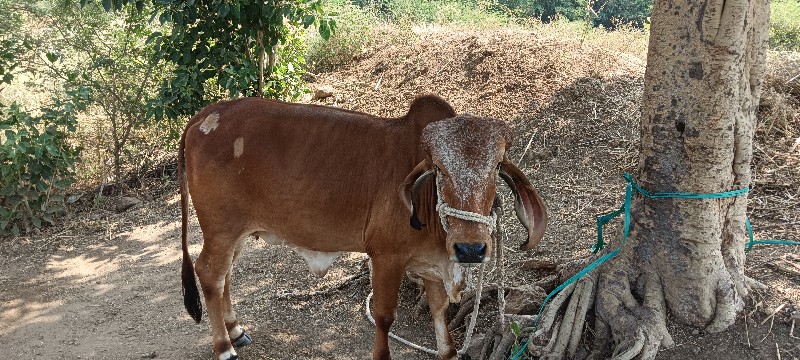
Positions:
{"x": 446, "y": 210}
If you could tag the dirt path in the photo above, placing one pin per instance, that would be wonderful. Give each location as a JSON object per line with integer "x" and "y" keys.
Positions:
{"x": 108, "y": 287}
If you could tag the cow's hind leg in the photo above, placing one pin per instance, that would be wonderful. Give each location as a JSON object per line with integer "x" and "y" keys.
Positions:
{"x": 438, "y": 302}
{"x": 212, "y": 268}
{"x": 237, "y": 335}
{"x": 387, "y": 273}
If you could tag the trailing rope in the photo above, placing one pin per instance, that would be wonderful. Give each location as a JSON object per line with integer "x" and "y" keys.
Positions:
{"x": 470, "y": 326}
{"x": 625, "y": 209}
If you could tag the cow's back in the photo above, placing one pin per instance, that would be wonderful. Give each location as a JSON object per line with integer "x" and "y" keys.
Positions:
{"x": 306, "y": 174}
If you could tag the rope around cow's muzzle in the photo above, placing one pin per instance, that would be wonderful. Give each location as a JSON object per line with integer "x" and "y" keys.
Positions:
{"x": 446, "y": 210}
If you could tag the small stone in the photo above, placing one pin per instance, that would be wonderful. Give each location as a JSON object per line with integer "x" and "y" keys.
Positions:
{"x": 323, "y": 91}
{"x": 124, "y": 203}
{"x": 151, "y": 355}
{"x": 74, "y": 198}
{"x": 695, "y": 332}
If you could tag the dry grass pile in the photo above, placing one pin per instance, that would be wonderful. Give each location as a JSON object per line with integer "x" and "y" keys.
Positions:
{"x": 776, "y": 195}
{"x": 496, "y": 73}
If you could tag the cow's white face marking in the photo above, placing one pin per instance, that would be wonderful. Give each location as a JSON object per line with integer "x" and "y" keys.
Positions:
{"x": 210, "y": 123}
{"x": 238, "y": 147}
{"x": 467, "y": 158}
{"x": 230, "y": 354}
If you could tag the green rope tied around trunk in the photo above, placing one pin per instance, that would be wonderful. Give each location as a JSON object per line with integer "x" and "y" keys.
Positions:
{"x": 625, "y": 209}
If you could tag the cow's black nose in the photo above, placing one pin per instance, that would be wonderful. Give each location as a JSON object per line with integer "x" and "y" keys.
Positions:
{"x": 470, "y": 253}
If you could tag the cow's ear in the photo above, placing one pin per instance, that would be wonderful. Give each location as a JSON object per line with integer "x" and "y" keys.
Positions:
{"x": 527, "y": 203}
{"x": 409, "y": 191}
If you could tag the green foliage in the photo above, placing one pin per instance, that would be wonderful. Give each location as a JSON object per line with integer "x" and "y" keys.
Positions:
{"x": 613, "y": 13}
{"x": 353, "y": 35}
{"x": 226, "y": 44}
{"x": 461, "y": 12}
{"x": 36, "y": 162}
{"x": 547, "y": 10}
{"x": 286, "y": 79}
{"x": 108, "y": 53}
{"x": 10, "y": 51}
{"x": 784, "y": 27}
{"x": 607, "y": 13}
{"x": 517, "y": 332}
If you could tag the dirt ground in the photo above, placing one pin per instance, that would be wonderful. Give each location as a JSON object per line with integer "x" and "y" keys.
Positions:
{"x": 104, "y": 285}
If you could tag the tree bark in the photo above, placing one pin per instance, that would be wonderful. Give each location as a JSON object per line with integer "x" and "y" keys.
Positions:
{"x": 705, "y": 66}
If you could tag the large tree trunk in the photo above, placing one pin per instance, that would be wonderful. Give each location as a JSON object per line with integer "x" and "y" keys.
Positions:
{"x": 705, "y": 66}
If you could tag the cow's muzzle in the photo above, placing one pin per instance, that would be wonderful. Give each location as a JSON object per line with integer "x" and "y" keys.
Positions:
{"x": 470, "y": 253}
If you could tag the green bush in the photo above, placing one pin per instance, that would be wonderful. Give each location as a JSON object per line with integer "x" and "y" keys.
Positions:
{"x": 462, "y": 12}
{"x": 353, "y": 34}
{"x": 784, "y": 25}
{"x": 36, "y": 162}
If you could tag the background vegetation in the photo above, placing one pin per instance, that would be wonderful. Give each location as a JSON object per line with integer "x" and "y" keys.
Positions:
{"x": 94, "y": 93}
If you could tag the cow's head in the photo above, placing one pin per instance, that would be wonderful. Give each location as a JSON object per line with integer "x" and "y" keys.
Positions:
{"x": 464, "y": 156}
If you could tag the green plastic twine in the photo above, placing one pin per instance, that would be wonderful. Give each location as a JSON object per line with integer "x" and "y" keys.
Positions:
{"x": 602, "y": 220}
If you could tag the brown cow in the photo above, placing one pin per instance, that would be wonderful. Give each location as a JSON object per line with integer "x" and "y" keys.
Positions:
{"x": 325, "y": 181}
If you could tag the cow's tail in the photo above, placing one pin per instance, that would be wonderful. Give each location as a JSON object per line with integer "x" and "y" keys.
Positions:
{"x": 191, "y": 295}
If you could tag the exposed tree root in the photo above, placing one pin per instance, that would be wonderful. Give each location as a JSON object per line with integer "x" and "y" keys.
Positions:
{"x": 567, "y": 333}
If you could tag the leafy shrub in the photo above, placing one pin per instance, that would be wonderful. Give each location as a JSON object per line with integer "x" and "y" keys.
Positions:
{"x": 548, "y": 10}
{"x": 37, "y": 162}
{"x": 784, "y": 25}
{"x": 286, "y": 79}
{"x": 353, "y": 34}
{"x": 613, "y": 13}
{"x": 463, "y": 12}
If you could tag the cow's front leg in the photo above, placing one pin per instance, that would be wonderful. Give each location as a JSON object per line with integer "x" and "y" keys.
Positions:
{"x": 387, "y": 273}
{"x": 438, "y": 302}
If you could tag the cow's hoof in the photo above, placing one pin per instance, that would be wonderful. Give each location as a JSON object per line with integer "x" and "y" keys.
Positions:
{"x": 242, "y": 340}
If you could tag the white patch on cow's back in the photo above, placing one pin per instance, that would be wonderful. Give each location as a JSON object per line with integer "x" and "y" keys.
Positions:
{"x": 210, "y": 123}
{"x": 238, "y": 147}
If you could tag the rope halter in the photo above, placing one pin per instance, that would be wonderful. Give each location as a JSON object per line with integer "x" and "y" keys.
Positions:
{"x": 446, "y": 210}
